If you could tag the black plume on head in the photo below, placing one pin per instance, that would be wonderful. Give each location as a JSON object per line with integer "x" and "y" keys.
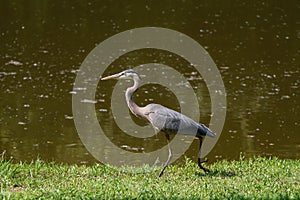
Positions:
{"x": 130, "y": 71}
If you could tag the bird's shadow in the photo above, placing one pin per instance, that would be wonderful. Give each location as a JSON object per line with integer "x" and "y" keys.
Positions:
{"x": 215, "y": 173}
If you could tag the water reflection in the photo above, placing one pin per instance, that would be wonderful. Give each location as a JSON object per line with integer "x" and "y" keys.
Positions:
{"x": 255, "y": 45}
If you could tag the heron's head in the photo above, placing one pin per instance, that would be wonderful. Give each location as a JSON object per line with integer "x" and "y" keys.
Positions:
{"x": 126, "y": 74}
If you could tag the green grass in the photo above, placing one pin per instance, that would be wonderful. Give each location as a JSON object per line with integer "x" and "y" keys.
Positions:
{"x": 258, "y": 178}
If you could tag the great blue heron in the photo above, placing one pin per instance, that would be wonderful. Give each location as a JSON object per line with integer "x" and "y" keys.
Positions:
{"x": 162, "y": 118}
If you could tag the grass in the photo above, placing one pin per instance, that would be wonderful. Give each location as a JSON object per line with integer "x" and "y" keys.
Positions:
{"x": 258, "y": 178}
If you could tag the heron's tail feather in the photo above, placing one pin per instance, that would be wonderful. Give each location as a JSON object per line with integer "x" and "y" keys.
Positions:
{"x": 210, "y": 133}
{"x": 204, "y": 131}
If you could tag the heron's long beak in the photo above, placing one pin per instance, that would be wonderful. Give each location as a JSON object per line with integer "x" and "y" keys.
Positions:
{"x": 115, "y": 76}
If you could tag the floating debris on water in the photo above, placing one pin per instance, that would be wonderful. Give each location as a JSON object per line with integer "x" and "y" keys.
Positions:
{"x": 250, "y": 136}
{"x": 8, "y": 73}
{"x": 68, "y": 117}
{"x": 285, "y": 97}
{"x": 14, "y": 62}
{"x": 71, "y": 145}
{"x": 132, "y": 148}
{"x": 88, "y": 101}
{"x": 43, "y": 96}
{"x": 80, "y": 89}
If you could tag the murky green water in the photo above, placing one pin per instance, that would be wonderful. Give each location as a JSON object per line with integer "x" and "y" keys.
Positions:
{"x": 255, "y": 45}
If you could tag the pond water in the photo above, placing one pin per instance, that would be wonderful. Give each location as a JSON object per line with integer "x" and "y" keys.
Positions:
{"x": 255, "y": 45}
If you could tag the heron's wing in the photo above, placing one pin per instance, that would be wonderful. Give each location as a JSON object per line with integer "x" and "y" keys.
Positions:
{"x": 167, "y": 120}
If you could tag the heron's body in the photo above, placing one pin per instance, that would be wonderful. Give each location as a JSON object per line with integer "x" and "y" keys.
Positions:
{"x": 162, "y": 118}
{"x": 170, "y": 121}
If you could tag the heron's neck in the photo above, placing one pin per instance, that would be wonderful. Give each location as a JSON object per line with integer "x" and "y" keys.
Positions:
{"x": 134, "y": 108}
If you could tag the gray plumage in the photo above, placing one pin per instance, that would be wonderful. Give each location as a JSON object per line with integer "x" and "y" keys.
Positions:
{"x": 170, "y": 121}
{"x": 161, "y": 118}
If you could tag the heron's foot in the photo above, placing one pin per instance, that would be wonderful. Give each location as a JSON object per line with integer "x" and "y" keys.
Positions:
{"x": 200, "y": 165}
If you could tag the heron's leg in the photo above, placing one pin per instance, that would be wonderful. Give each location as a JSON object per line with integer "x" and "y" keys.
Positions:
{"x": 169, "y": 157}
{"x": 199, "y": 157}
